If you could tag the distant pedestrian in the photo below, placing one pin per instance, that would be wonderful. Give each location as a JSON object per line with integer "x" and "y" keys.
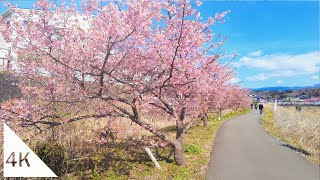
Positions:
{"x": 251, "y": 106}
{"x": 255, "y": 107}
{"x": 260, "y": 107}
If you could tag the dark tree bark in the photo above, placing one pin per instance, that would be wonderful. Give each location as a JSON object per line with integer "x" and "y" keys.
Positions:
{"x": 178, "y": 151}
{"x": 176, "y": 143}
{"x": 205, "y": 120}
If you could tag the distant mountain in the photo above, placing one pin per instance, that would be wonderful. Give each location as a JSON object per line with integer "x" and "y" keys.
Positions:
{"x": 282, "y": 88}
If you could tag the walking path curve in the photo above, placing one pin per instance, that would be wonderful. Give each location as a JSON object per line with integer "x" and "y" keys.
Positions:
{"x": 244, "y": 151}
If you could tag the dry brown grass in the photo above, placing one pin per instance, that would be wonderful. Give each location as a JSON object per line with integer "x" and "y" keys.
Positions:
{"x": 83, "y": 138}
{"x": 301, "y": 129}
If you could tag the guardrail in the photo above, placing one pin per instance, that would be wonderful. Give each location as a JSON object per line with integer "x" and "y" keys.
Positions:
{"x": 299, "y": 103}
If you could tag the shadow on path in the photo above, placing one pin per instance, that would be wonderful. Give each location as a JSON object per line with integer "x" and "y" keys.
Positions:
{"x": 296, "y": 149}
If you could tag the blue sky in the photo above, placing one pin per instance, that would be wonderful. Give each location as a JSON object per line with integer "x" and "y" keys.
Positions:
{"x": 277, "y": 42}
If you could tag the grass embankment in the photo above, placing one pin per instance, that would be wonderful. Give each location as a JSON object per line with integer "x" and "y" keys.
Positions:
{"x": 295, "y": 128}
{"x": 127, "y": 161}
{"x": 267, "y": 123}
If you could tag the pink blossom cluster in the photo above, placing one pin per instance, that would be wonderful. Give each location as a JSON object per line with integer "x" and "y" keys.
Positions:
{"x": 118, "y": 59}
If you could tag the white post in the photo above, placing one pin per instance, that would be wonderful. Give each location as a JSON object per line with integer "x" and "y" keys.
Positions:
{"x": 152, "y": 157}
{"x": 275, "y": 105}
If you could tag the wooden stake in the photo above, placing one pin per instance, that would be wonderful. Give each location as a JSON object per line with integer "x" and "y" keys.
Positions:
{"x": 152, "y": 157}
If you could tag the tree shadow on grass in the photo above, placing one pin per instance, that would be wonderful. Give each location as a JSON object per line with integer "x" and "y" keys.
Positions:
{"x": 297, "y": 149}
{"x": 118, "y": 157}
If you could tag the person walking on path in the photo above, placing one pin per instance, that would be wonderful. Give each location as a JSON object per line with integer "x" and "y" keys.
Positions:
{"x": 260, "y": 107}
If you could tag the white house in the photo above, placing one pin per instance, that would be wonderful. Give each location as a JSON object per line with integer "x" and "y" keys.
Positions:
{"x": 4, "y": 47}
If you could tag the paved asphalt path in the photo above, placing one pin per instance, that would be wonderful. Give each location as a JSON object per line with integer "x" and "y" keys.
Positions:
{"x": 244, "y": 151}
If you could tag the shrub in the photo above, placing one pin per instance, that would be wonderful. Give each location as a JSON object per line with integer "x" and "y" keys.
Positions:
{"x": 53, "y": 155}
{"x": 95, "y": 175}
{"x": 191, "y": 149}
{"x": 298, "y": 107}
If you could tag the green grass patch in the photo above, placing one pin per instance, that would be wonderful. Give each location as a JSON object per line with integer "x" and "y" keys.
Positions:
{"x": 191, "y": 149}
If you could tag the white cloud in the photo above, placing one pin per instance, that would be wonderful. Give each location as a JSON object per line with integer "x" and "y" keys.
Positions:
{"x": 281, "y": 65}
{"x": 279, "y": 81}
{"x": 234, "y": 80}
{"x": 255, "y": 53}
{"x": 257, "y": 77}
{"x": 315, "y": 77}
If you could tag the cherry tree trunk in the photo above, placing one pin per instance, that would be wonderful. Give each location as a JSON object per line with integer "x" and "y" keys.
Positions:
{"x": 220, "y": 114}
{"x": 178, "y": 153}
{"x": 205, "y": 120}
{"x": 178, "y": 144}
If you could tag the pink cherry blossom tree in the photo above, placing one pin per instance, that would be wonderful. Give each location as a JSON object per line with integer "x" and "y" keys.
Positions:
{"x": 115, "y": 59}
{"x": 230, "y": 96}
